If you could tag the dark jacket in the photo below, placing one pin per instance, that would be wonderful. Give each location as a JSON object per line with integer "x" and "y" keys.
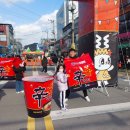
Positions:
{"x": 54, "y": 59}
{"x": 44, "y": 62}
{"x": 19, "y": 72}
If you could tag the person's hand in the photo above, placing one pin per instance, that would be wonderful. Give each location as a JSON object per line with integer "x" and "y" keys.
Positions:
{"x": 67, "y": 75}
{"x": 21, "y": 65}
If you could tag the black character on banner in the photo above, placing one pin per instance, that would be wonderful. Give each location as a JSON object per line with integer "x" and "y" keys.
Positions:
{"x": 39, "y": 95}
{"x": 79, "y": 76}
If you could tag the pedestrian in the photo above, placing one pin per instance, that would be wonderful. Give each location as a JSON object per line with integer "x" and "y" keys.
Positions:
{"x": 61, "y": 58}
{"x": 54, "y": 58}
{"x": 19, "y": 71}
{"x": 61, "y": 79}
{"x": 128, "y": 63}
{"x": 73, "y": 55}
{"x": 44, "y": 64}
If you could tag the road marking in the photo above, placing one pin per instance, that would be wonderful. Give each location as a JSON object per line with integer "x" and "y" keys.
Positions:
{"x": 126, "y": 80}
{"x": 87, "y": 111}
{"x": 31, "y": 123}
{"x": 2, "y": 83}
{"x": 50, "y": 73}
{"x": 48, "y": 123}
{"x": 35, "y": 73}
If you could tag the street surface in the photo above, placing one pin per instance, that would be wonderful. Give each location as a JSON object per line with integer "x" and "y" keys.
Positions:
{"x": 102, "y": 113}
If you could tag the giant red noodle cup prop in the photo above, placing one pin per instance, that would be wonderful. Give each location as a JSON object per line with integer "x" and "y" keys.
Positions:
{"x": 38, "y": 95}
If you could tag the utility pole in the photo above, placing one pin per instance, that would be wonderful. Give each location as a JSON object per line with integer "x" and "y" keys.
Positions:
{"x": 53, "y": 31}
{"x": 46, "y": 34}
{"x": 72, "y": 9}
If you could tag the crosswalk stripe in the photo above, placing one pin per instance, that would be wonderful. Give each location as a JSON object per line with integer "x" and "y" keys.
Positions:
{"x": 35, "y": 73}
{"x": 48, "y": 123}
{"x": 3, "y": 82}
{"x": 87, "y": 111}
{"x": 31, "y": 123}
{"x": 50, "y": 73}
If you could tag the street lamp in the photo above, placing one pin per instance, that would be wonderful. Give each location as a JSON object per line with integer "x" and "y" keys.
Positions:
{"x": 72, "y": 9}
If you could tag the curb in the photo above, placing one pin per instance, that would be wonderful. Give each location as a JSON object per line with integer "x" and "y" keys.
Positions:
{"x": 88, "y": 111}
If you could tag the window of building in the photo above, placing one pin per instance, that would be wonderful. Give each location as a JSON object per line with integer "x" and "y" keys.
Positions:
{"x": 3, "y": 38}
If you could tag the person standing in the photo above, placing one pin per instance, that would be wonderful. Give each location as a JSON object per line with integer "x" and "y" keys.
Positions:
{"x": 19, "y": 75}
{"x": 44, "y": 64}
{"x": 54, "y": 58}
{"x": 61, "y": 58}
{"x": 61, "y": 79}
{"x": 73, "y": 55}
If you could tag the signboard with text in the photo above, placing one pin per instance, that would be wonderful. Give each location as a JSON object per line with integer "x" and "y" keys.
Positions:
{"x": 81, "y": 73}
{"x": 6, "y": 66}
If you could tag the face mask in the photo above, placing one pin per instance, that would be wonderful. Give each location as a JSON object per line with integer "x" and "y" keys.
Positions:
{"x": 61, "y": 70}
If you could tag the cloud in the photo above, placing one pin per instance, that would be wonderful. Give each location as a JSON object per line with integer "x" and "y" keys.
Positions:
{"x": 33, "y": 32}
{"x": 10, "y": 2}
{"x": 2, "y": 20}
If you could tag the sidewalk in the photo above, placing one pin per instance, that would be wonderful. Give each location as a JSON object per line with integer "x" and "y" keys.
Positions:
{"x": 119, "y": 100}
{"x": 123, "y": 74}
{"x": 117, "y": 95}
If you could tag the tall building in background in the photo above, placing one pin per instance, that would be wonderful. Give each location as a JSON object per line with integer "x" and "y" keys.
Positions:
{"x": 6, "y": 38}
{"x": 64, "y": 17}
{"x": 18, "y": 48}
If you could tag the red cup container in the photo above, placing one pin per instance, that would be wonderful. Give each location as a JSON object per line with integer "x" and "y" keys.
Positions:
{"x": 38, "y": 95}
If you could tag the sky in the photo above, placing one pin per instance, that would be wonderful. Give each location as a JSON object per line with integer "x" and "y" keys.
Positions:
{"x": 29, "y": 18}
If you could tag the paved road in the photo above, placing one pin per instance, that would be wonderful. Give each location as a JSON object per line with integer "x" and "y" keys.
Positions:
{"x": 109, "y": 121}
{"x": 13, "y": 114}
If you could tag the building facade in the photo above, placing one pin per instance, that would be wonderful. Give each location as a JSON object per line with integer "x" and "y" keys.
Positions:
{"x": 6, "y": 37}
{"x": 64, "y": 17}
{"x": 67, "y": 35}
{"x": 124, "y": 32}
{"x": 18, "y": 48}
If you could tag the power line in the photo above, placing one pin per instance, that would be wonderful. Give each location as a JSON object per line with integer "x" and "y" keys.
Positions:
{"x": 23, "y": 8}
{"x": 18, "y": 14}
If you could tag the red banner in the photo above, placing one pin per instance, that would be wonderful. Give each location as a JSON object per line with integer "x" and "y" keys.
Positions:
{"x": 81, "y": 72}
{"x": 6, "y": 65}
